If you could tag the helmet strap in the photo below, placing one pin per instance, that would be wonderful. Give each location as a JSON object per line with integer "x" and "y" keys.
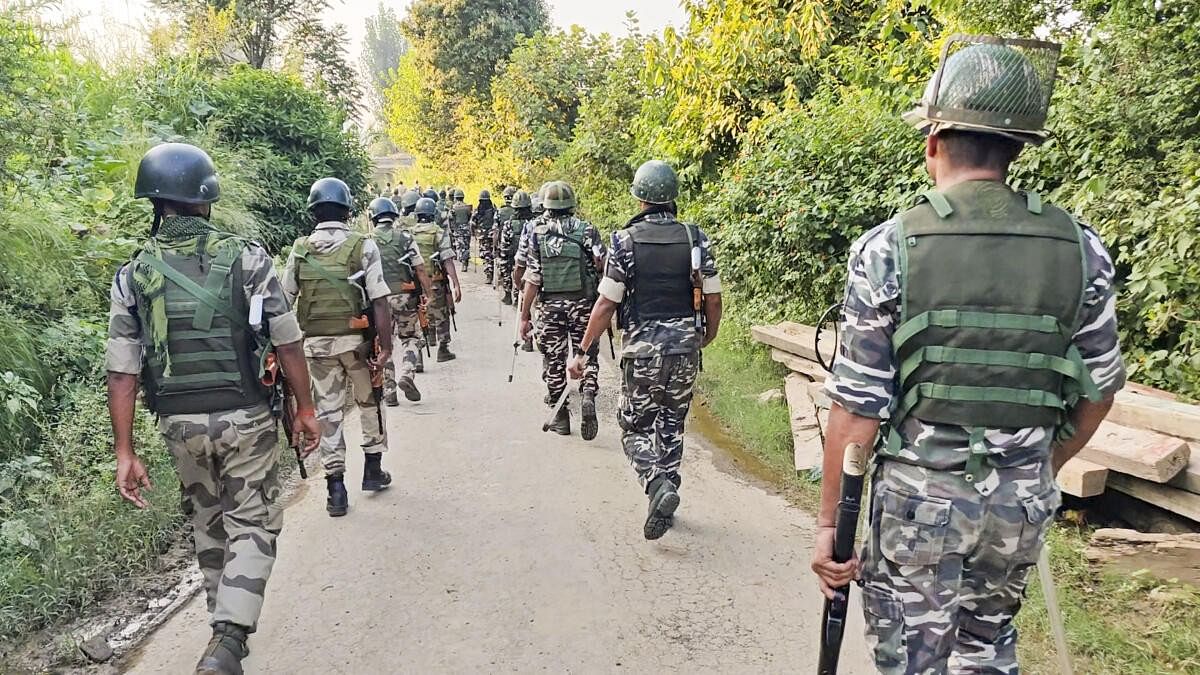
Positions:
{"x": 158, "y": 217}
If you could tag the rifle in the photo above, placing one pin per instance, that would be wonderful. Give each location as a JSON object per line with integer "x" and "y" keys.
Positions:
{"x": 833, "y": 618}
{"x": 612, "y": 351}
{"x": 512, "y": 369}
{"x": 697, "y": 289}
{"x": 566, "y": 392}
{"x": 283, "y": 401}
{"x": 366, "y": 322}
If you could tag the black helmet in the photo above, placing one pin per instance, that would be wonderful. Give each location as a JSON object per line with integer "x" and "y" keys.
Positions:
{"x": 425, "y": 207}
{"x": 382, "y": 207}
{"x": 178, "y": 172}
{"x": 409, "y": 199}
{"x": 330, "y": 191}
{"x": 430, "y": 193}
{"x": 484, "y": 194}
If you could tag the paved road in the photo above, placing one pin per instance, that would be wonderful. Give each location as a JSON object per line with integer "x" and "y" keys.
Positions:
{"x": 503, "y": 549}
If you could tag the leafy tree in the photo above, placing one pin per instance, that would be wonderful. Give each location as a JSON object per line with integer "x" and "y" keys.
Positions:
{"x": 462, "y": 42}
{"x": 383, "y": 46}
{"x": 261, "y": 27}
{"x": 319, "y": 55}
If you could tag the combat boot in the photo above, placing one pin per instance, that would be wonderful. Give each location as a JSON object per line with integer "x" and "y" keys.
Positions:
{"x": 420, "y": 368}
{"x": 562, "y": 422}
{"x": 225, "y": 651}
{"x": 590, "y": 426}
{"x": 488, "y": 279}
{"x": 391, "y": 400}
{"x": 507, "y": 299}
{"x": 664, "y": 499}
{"x": 374, "y": 477}
{"x": 444, "y": 353}
{"x": 527, "y": 346}
{"x": 338, "y": 501}
{"x": 409, "y": 388}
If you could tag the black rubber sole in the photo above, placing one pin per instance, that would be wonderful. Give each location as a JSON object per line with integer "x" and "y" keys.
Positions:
{"x": 410, "y": 390}
{"x": 391, "y": 402}
{"x": 442, "y": 358}
{"x": 376, "y": 485}
{"x": 590, "y": 426}
{"x": 661, "y": 516}
{"x": 336, "y": 513}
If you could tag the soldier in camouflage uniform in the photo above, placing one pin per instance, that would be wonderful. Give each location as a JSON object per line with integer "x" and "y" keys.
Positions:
{"x": 460, "y": 225}
{"x": 520, "y": 260}
{"x": 655, "y": 267}
{"x": 488, "y": 246}
{"x": 180, "y": 317}
{"x": 980, "y": 325}
{"x": 508, "y": 239}
{"x": 334, "y": 277}
{"x": 564, "y": 262}
{"x": 483, "y": 224}
{"x": 404, "y": 272}
{"x": 445, "y": 292}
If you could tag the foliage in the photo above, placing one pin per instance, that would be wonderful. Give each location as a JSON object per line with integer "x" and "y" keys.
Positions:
{"x": 259, "y": 26}
{"x": 383, "y": 46}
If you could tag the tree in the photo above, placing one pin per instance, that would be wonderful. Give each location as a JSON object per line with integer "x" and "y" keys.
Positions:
{"x": 383, "y": 46}
{"x": 318, "y": 54}
{"x": 464, "y": 41}
{"x": 260, "y": 26}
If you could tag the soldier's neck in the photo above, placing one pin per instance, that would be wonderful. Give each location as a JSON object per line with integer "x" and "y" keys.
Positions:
{"x": 947, "y": 178}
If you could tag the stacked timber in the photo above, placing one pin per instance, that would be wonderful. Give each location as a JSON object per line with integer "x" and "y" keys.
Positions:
{"x": 1148, "y": 448}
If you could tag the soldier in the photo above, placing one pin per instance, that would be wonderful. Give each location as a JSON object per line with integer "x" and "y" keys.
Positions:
{"x": 663, "y": 278}
{"x": 503, "y": 215}
{"x": 408, "y": 202}
{"x": 980, "y": 324}
{"x": 538, "y": 208}
{"x": 508, "y": 239}
{"x": 564, "y": 262}
{"x": 404, "y": 272}
{"x": 520, "y": 260}
{"x": 483, "y": 223}
{"x": 334, "y": 277}
{"x": 460, "y": 225}
{"x": 434, "y": 244}
{"x": 180, "y": 318}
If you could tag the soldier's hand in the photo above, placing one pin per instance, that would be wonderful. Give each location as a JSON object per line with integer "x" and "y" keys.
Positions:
{"x": 132, "y": 477}
{"x": 306, "y": 432}
{"x": 526, "y": 327}
{"x": 576, "y": 366}
{"x": 380, "y": 361}
{"x": 831, "y": 575}
{"x": 457, "y": 294}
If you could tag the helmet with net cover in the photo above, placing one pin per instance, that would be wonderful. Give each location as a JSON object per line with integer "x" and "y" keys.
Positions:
{"x": 521, "y": 200}
{"x": 535, "y": 201}
{"x": 991, "y": 85}
{"x": 409, "y": 199}
{"x": 655, "y": 183}
{"x": 380, "y": 207}
{"x": 558, "y": 196}
{"x": 509, "y": 192}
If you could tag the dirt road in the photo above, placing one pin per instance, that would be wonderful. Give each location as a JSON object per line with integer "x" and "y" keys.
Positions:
{"x": 503, "y": 549}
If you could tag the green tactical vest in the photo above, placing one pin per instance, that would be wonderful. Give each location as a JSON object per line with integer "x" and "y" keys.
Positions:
{"x": 510, "y": 238}
{"x": 991, "y": 288}
{"x": 505, "y": 214}
{"x": 565, "y": 260}
{"x": 428, "y": 237}
{"x": 328, "y": 301}
{"x": 210, "y": 362}
{"x": 461, "y": 212}
{"x": 394, "y": 248}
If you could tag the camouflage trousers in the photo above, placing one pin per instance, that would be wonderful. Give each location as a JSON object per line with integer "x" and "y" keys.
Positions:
{"x": 487, "y": 251}
{"x": 331, "y": 377}
{"x": 505, "y": 270}
{"x": 944, "y": 567}
{"x": 460, "y": 239}
{"x": 439, "y": 311}
{"x": 226, "y": 463}
{"x": 562, "y": 323}
{"x": 407, "y": 340}
{"x": 656, "y": 393}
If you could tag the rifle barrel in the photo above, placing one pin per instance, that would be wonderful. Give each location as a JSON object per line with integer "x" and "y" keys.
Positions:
{"x": 833, "y": 617}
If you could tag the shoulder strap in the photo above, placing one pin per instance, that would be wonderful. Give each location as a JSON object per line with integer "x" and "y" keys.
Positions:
{"x": 193, "y": 289}
{"x": 342, "y": 286}
{"x": 939, "y": 203}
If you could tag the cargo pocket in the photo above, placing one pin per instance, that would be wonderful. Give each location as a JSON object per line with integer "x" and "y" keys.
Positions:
{"x": 912, "y": 528}
{"x": 885, "y": 629}
{"x": 1038, "y": 510}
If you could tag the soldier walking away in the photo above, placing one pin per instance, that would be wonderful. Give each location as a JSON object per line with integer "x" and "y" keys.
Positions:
{"x": 564, "y": 262}
{"x": 980, "y": 325}
{"x": 404, "y": 272}
{"x": 508, "y": 239}
{"x": 519, "y": 263}
{"x": 503, "y": 215}
{"x": 483, "y": 224}
{"x": 460, "y": 225}
{"x": 445, "y": 291}
{"x": 408, "y": 203}
{"x": 334, "y": 277}
{"x": 663, "y": 279}
{"x": 180, "y": 319}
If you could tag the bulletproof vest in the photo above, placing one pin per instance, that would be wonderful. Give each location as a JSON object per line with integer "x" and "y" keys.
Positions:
{"x": 565, "y": 259}
{"x": 211, "y": 363}
{"x": 504, "y": 214}
{"x": 328, "y": 301}
{"x": 510, "y": 237}
{"x": 428, "y": 237}
{"x": 991, "y": 288}
{"x": 461, "y": 212}
{"x": 662, "y": 272}
{"x": 394, "y": 248}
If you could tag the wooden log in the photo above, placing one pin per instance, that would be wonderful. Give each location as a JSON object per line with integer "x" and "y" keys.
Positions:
{"x": 1081, "y": 478}
{"x": 1172, "y": 499}
{"x": 798, "y": 364}
{"x": 817, "y": 391}
{"x": 1189, "y": 478}
{"x": 1137, "y": 452}
{"x": 806, "y": 431}
{"x": 794, "y": 338}
{"x": 1153, "y": 412}
{"x": 1166, "y": 556}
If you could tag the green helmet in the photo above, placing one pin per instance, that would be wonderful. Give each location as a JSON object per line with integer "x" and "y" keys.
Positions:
{"x": 558, "y": 196}
{"x": 459, "y": 195}
{"x": 990, "y": 85}
{"x": 521, "y": 200}
{"x": 380, "y": 207}
{"x": 508, "y": 194}
{"x": 655, "y": 183}
{"x": 425, "y": 207}
{"x": 330, "y": 191}
{"x": 178, "y": 172}
{"x": 484, "y": 194}
{"x": 536, "y": 203}
{"x": 409, "y": 199}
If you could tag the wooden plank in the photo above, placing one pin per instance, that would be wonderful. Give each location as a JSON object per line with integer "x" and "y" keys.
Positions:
{"x": 1189, "y": 478}
{"x": 817, "y": 391}
{"x": 798, "y": 364}
{"x": 1172, "y": 499}
{"x": 1166, "y": 556}
{"x": 806, "y": 432}
{"x": 794, "y": 338}
{"x": 1081, "y": 478}
{"x": 1137, "y": 452}
{"x": 1153, "y": 412}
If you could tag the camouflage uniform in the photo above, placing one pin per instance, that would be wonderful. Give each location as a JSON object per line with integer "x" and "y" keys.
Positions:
{"x": 563, "y": 321}
{"x": 507, "y": 257}
{"x": 483, "y": 224}
{"x": 439, "y": 308}
{"x": 521, "y": 259}
{"x": 337, "y": 361}
{"x": 406, "y": 329}
{"x": 946, "y": 560}
{"x": 226, "y": 460}
{"x": 659, "y": 363}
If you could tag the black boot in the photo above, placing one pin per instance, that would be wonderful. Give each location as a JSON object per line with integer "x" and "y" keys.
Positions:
{"x": 225, "y": 651}
{"x": 527, "y": 346}
{"x": 409, "y": 388}
{"x": 507, "y": 299}
{"x": 391, "y": 400}
{"x": 374, "y": 477}
{"x": 338, "y": 501}
{"x": 664, "y": 499}
{"x": 420, "y": 362}
{"x": 444, "y": 353}
{"x": 590, "y": 426}
{"x": 562, "y": 422}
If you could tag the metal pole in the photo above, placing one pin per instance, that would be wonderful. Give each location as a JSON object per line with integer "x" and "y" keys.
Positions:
{"x": 1054, "y": 612}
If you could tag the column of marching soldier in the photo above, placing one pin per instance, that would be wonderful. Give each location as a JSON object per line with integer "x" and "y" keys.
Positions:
{"x": 979, "y": 352}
